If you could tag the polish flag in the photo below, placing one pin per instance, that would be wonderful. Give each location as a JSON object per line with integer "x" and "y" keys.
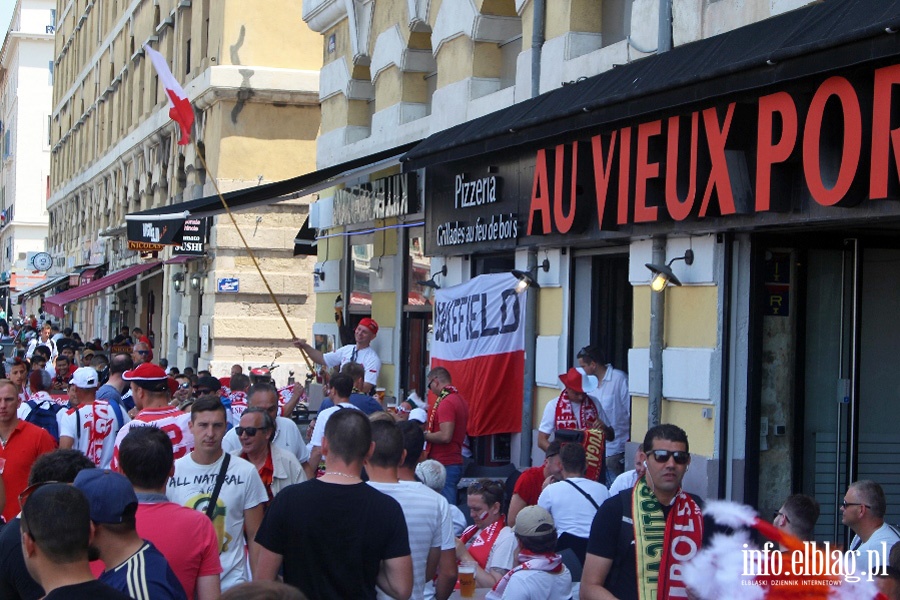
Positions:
{"x": 479, "y": 337}
{"x": 180, "y": 108}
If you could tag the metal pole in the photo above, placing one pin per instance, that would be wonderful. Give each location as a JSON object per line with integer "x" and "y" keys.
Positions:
{"x": 657, "y": 318}
{"x": 537, "y": 45}
{"x": 664, "y": 35}
{"x": 530, "y": 348}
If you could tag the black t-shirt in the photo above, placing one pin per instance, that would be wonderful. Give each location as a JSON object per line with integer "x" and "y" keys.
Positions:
{"x": 613, "y": 538}
{"x": 89, "y": 590}
{"x": 15, "y": 582}
{"x": 333, "y": 537}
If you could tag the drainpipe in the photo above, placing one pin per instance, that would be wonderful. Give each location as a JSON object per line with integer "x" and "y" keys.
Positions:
{"x": 664, "y": 35}
{"x": 537, "y": 45}
{"x": 530, "y": 348}
{"x": 657, "y": 318}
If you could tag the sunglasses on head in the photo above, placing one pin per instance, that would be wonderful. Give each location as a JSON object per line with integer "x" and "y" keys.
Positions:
{"x": 26, "y": 493}
{"x": 663, "y": 456}
{"x": 250, "y": 431}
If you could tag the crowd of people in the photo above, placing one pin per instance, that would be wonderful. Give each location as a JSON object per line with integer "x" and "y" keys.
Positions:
{"x": 128, "y": 481}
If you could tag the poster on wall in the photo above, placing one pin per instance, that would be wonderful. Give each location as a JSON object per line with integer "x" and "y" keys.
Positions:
{"x": 479, "y": 336}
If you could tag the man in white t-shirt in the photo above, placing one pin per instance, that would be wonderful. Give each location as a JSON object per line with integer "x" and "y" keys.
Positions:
{"x": 626, "y": 480}
{"x": 150, "y": 390}
{"x": 341, "y": 388}
{"x": 574, "y": 501}
{"x": 429, "y": 532}
{"x": 238, "y": 509}
{"x": 612, "y": 395}
{"x": 863, "y": 511}
{"x": 92, "y": 425}
{"x": 361, "y": 352}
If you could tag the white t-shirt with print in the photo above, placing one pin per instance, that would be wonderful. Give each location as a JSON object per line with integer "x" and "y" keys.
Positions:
{"x": 99, "y": 426}
{"x": 367, "y": 357}
{"x": 193, "y": 484}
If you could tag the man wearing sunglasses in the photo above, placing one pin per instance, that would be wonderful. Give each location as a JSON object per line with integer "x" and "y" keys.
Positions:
{"x": 141, "y": 353}
{"x": 623, "y": 558}
{"x": 277, "y": 467}
{"x": 863, "y": 511}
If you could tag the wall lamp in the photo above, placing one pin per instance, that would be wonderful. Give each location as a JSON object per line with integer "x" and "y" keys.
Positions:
{"x": 431, "y": 283}
{"x": 178, "y": 282}
{"x": 663, "y": 275}
{"x": 196, "y": 280}
{"x": 528, "y": 278}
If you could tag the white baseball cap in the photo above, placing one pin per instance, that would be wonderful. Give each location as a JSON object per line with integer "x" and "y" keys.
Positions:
{"x": 85, "y": 378}
{"x": 418, "y": 414}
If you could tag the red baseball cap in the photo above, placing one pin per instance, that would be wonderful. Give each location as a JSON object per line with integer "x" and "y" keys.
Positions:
{"x": 369, "y": 324}
{"x": 576, "y": 379}
{"x": 148, "y": 376}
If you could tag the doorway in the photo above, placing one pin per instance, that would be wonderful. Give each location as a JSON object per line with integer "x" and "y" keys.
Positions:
{"x": 833, "y": 421}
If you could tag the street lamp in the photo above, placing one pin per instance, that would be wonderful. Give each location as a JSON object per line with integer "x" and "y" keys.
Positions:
{"x": 431, "y": 283}
{"x": 663, "y": 274}
{"x": 528, "y": 278}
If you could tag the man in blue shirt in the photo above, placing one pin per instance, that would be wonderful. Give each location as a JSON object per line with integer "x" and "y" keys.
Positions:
{"x": 363, "y": 402}
{"x": 133, "y": 566}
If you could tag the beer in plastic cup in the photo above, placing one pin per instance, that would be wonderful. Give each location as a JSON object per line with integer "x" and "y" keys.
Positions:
{"x": 467, "y": 579}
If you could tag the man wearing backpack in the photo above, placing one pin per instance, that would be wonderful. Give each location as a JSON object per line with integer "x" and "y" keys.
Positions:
{"x": 91, "y": 426}
{"x": 20, "y": 445}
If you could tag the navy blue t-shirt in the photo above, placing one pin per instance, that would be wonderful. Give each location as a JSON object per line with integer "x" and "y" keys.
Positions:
{"x": 146, "y": 575}
{"x": 367, "y": 404}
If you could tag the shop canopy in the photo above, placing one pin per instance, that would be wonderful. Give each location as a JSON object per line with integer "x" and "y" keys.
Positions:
{"x": 55, "y": 304}
{"x": 254, "y": 197}
{"x": 43, "y": 286}
{"x": 823, "y": 37}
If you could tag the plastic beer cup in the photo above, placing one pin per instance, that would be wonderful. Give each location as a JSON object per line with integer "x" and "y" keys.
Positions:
{"x": 467, "y": 579}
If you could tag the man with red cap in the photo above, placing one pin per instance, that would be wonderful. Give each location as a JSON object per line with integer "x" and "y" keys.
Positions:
{"x": 361, "y": 352}
{"x": 150, "y": 390}
{"x": 574, "y": 409}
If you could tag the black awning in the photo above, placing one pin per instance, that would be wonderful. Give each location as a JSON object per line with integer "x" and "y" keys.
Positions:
{"x": 260, "y": 195}
{"x": 305, "y": 242}
{"x": 822, "y": 37}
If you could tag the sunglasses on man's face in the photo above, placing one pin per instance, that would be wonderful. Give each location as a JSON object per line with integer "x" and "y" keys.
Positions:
{"x": 250, "y": 431}
{"x": 663, "y": 456}
{"x": 142, "y": 352}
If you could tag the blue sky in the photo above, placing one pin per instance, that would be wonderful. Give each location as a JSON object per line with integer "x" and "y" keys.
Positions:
{"x": 6, "y": 8}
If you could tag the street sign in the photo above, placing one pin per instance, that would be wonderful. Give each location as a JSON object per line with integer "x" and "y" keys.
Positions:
{"x": 228, "y": 285}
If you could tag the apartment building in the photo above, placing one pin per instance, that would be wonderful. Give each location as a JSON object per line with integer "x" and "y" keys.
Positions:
{"x": 251, "y": 73}
{"x": 26, "y": 85}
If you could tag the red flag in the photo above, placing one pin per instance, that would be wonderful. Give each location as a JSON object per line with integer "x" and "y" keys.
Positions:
{"x": 180, "y": 108}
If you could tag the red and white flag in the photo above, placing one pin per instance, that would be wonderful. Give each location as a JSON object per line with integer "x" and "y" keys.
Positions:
{"x": 479, "y": 336}
{"x": 180, "y": 108}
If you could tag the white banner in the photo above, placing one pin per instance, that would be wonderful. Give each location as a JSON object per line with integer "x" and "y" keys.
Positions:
{"x": 481, "y": 317}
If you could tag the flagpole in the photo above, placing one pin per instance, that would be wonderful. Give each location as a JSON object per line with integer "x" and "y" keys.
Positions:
{"x": 212, "y": 178}
{"x": 182, "y": 112}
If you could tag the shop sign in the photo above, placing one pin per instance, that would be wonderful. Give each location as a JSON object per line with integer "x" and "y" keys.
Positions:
{"x": 379, "y": 199}
{"x": 790, "y": 156}
{"x": 193, "y": 238}
{"x": 705, "y": 164}
{"x": 153, "y": 235}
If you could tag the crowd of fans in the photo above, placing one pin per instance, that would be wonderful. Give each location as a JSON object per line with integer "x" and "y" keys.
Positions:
{"x": 123, "y": 480}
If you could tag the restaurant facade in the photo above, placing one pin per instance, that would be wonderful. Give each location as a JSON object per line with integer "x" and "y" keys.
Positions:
{"x": 763, "y": 166}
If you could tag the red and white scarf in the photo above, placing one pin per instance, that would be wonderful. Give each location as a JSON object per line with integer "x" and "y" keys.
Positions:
{"x": 550, "y": 562}
{"x": 565, "y": 416}
{"x": 659, "y": 568}
{"x": 484, "y": 540}
{"x": 432, "y": 417}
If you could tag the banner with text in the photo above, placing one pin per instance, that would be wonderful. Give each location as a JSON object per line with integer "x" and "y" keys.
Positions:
{"x": 479, "y": 336}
